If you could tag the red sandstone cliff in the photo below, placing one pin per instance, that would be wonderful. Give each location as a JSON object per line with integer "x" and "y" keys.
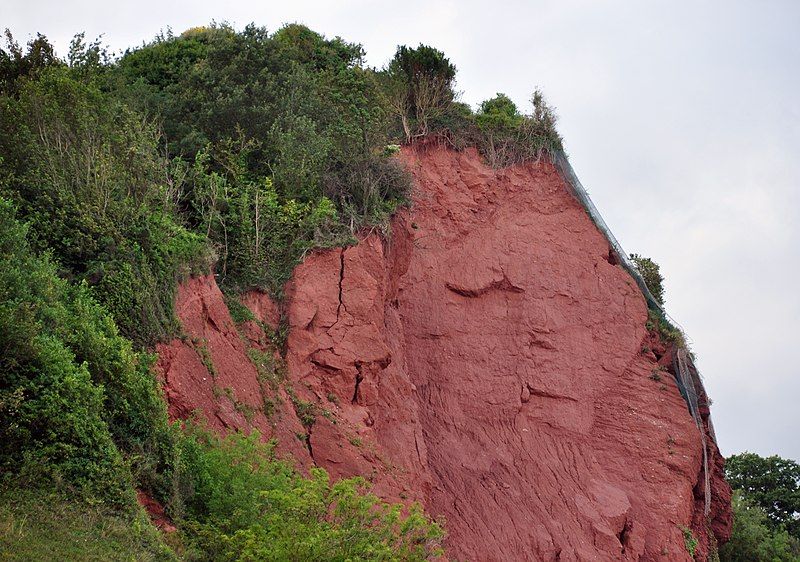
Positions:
{"x": 486, "y": 360}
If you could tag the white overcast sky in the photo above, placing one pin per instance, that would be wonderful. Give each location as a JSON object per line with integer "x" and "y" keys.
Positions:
{"x": 682, "y": 119}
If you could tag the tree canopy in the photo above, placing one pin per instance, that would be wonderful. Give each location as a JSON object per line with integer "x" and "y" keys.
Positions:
{"x": 772, "y": 483}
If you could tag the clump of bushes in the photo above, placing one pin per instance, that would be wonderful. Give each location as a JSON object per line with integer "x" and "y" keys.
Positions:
{"x": 247, "y": 505}
{"x": 85, "y": 172}
{"x": 754, "y": 538}
{"x": 418, "y": 88}
{"x": 286, "y": 136}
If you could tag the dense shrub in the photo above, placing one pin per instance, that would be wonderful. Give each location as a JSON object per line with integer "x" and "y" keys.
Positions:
{"x": 753, "y": 539}
{"x": 259, "y": 234}
{"x": 54, "y": 413}
{"x": 247, "y": 505}
{"x": 290, "y": 122}
{"x": 86, "y": 174}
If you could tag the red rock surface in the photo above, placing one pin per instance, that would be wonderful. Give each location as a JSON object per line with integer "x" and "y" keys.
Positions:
{"x": 486, "y": 360}
{"x": 229, "y": 396}
{"x": 155, "y": 511}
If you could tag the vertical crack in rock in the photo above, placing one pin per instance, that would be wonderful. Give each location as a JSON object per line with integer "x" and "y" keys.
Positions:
{"x": 308, "y": 445}
{"x": 623, "y": 535}
{"x": 359, "y": 378}
{"x": 341, "y": 281}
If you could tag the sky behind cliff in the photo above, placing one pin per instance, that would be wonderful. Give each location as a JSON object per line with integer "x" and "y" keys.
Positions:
{"x": 682, "y": 119}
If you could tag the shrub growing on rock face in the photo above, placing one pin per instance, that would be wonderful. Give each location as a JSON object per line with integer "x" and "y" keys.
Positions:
{"x": 651, "y": 273}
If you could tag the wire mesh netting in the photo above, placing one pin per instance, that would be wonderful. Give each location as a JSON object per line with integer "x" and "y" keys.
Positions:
{"x": 687, "y": 376}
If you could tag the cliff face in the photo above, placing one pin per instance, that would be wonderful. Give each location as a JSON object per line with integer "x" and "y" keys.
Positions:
{"x": 486, "y": 359}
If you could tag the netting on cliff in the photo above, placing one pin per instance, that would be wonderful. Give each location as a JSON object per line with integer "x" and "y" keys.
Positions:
{"x": 687, "y": 376}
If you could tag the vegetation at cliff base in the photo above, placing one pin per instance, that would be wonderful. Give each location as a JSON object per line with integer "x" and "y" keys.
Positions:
{"x": 248, "y": 505}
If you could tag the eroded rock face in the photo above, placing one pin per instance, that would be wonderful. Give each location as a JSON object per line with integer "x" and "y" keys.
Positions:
{"x": 211, "y": 371}
{"x": 486, "y": 360}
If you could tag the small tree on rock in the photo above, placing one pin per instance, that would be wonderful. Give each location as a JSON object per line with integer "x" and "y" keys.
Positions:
{"x": 419, "y": 87}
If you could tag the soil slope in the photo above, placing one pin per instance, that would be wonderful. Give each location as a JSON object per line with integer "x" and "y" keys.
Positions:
{"x": 487, "y": 359}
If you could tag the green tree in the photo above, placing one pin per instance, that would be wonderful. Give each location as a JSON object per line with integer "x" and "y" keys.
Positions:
{"x": 753, "y": 539}
{"x": 651, "y": 273}
{"x": 771, "y": 483}
{"x": 15, "y": 63}
{"x": 419, "y": 87}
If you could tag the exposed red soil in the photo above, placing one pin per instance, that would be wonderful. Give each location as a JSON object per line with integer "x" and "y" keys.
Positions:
{"x": 486, "y": 360}
{"x": 155, "y": 511}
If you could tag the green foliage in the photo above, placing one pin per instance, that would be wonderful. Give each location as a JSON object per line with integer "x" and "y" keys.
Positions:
{"x": 507, "y": 137}
{"x": 286, "y": 133}
{"x": 260, "y": 235}
{"x": 498, "y": 113}
{"x": 16, "y": 64}
{"x": 771, "y": 483}
{"x": 54, "y": 415}
{"x": 754, "y": 537}
{"x": 86, "y": 174}
{"x": 247, "y": 505}
{"x": 418, "y": 87}
{"x": 239, "y": 312}
{"x": 79, "y": 408}
{"x": 689, "y": 541}
{"x": 657, "y": 321}
{"x": 36, "y": 525}
{"x": 502, "y": 134}
{"x": 651, "y": 273}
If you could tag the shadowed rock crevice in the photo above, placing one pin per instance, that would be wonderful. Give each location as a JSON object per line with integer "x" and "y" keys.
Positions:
{"x": 502, "y": 285}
